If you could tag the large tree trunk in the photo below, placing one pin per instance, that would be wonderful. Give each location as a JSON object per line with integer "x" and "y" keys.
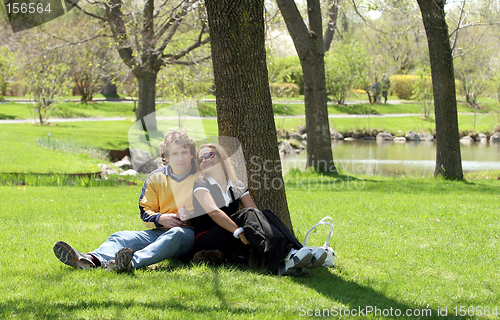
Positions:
{"x": 244, "y": 106}
{"x": 147, "y": 95}
{"x": 448, "y": 158}
{"x": 309, "y": 47}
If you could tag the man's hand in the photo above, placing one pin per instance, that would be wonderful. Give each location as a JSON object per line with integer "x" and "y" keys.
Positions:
{"x": 183, "y": 213}
{"x": 170, "y": 220}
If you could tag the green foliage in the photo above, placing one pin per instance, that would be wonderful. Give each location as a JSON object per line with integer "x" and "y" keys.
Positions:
{"x": 422, "y": 90}
{"x": 284, "y": 90}
{"x": 495, "y": 81}
{"x": 46, "y": 74}
{"x": 64, "y": 180}
{"x": 92, "y": 66}
{"x": 6, "y": 69}
{"x": 17, "y": 88}
{"x": 286, "y": 70}
{"x": 402, "y": 85}
{"x": 346, "y": 67}
{"x": 178, "y": 82}
{"x": 473, "y": 70}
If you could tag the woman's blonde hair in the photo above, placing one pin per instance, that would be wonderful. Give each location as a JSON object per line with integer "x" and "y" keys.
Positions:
{"x": 227, "y": 163}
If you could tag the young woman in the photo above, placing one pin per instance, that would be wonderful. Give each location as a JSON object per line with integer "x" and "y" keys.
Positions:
{"x": 218, "y": 225}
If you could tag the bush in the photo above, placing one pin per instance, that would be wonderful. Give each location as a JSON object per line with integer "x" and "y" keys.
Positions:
{"x": 402, "y": 85}
{"x": 284, "y": 90}
{"x": 345, "y": 69}
{"x": 17, "y": 89}
{"x": 286, "y": 70}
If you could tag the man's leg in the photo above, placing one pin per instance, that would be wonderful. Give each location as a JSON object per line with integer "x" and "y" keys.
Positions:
{"x": 173, "y": 242}
{"x": 135, "y": 240}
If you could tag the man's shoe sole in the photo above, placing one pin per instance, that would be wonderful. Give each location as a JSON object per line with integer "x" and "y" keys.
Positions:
{"x": 67, "y": 255}
{"x": 123, "y": 259}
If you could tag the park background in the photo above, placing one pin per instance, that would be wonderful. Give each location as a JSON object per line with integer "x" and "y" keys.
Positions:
{"x": 405, "y": 242}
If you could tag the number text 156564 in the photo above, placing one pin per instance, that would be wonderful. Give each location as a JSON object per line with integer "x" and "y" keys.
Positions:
{"x": 31, "y": 8}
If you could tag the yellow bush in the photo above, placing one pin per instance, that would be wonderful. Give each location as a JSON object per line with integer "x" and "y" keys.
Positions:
{"x": 284, "y": 90}
{"x": 402, "y": 85}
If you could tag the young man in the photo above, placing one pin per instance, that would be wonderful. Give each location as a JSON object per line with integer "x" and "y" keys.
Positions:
{"x": 166, "y": 193}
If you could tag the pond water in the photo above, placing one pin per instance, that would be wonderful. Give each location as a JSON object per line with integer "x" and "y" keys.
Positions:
{"x": 397, "y": 159}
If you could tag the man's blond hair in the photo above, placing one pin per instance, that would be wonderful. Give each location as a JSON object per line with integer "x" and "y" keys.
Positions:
{"x": 176, "y": 137}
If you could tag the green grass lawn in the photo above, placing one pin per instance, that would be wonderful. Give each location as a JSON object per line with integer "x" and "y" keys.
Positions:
{"x": 20, "y": 153}
{"x": 393, "y": 252}
{"x": 16, "y": 110}
{"x": 283, "y": 106}
{"x": 486, "y": 123}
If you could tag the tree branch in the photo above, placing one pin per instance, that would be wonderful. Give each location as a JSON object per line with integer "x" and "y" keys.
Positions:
{"x": 189, "y": 63}
{"x": 85, "y": 11}
{"x": 200, "y": 42}
{"x": 113, "y": 12}
{"x": 173, "y": 23}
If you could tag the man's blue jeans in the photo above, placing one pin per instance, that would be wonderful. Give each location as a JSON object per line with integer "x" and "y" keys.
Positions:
{"x": 150, "y": 246}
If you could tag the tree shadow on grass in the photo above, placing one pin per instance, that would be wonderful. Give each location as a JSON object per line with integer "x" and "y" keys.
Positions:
{"x": 283, "y": 109}
{"x": 355, "y": 109}
{"x": 335, "y": 181}
{"x": 354, "y": 296}
{"x": 118, "y": 307}
{"x": 24, "y": 308}
{"x": 6, "y": 117}
{"x": 325, "y": 181}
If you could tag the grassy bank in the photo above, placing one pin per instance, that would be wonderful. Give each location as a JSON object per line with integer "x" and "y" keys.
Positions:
{"x": 481, "y": 123}
{"x": 281, "y": 107}
{"x": 392, "y": 253}
{"x": 20, "y": 153}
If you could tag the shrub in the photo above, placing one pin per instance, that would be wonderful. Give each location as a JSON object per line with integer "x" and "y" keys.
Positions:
{"x": 284, "y": 90}
{"x": 402, "y": 85}
{"x": 286, "y": 70}
{"x": 345, "y": 68}
{"x": 17, "y": 89}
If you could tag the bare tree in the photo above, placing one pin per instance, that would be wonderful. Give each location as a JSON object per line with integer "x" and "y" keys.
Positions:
{"x": 144, "y": 34}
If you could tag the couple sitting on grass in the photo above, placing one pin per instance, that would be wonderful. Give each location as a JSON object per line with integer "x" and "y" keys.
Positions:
{"x": 211, "y": 195}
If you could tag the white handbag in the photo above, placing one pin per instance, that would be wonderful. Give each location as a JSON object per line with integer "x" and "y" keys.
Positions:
{"x": 330, "y": 259}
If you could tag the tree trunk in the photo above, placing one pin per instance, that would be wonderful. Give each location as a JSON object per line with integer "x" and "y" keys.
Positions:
{"x": 309, "y": 47}
{"x": 333, "y": 12}
{"x": 244, "y": 106}
{"x": 448, "y": 158}
{"x": 147, "y": 95}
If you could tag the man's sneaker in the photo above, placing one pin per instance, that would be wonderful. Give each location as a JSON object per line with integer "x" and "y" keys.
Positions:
{"x": 73, "y": 258}
{"x": 122, "y": 262}
{"x": 319, "y": 257}
{"x": 299, "y": 259}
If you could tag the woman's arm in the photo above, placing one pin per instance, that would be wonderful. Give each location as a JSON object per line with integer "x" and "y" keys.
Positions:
{"x": 247, "y": 202}
{"x": 208, "y": 204}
